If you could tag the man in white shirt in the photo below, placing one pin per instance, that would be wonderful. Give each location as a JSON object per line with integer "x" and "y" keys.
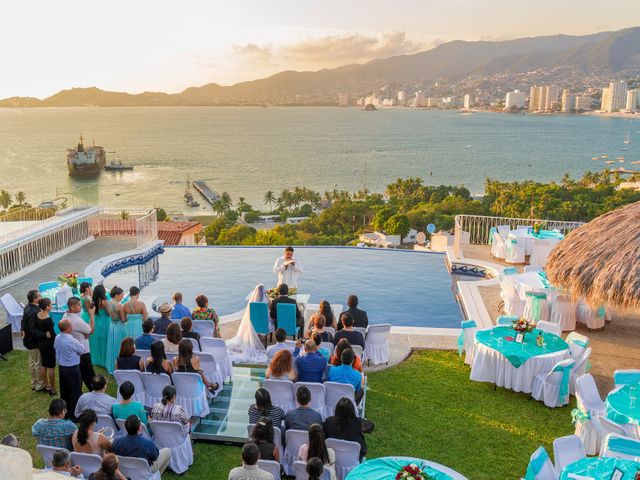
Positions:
{"x": 249, "y": 469}
{"x": 288, "y": 269}
{"x": 81, "y": 332}
{"x": 97, "y": 399}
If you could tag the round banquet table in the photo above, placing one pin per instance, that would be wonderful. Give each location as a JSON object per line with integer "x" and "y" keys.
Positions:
{"x": 500, "y": 360}
{"x": 386, "y": 468}
{"x": 601, "y": 468}
{"x": 525, "y": 237}
{"x": 623, "y": 406}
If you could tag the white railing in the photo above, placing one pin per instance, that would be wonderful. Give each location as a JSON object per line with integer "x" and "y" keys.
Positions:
{"x": 478, "y": 227}
{"x": 147, "y": 229}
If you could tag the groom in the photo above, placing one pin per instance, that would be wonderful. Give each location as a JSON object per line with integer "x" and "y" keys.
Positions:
{"x": 283, "y": 297}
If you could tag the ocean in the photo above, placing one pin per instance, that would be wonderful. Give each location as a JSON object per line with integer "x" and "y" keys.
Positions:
{"x": 247, "y": 151}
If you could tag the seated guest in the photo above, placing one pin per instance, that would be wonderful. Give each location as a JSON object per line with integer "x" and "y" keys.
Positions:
{"x": 360, "y": 318}
{"x": 264, "y": 408}
{"x": 161, "y": 324}
{"x": 283, "y": 291}
{"x": 317, "y": 448}
{"x": 341, "y": 346}
{"x": 127, "y": 360}
{"x": 262, "y": 436}
{"x": 311, "y": 366}
{"x": 204, "y": 312}
{"x": 127, "y": 407}
{"x": 354, "y": 337}
{"x": 10, "y": 440}
{"x": 85, "y": 439}
{"x": 326, "y": 311}
{"x": 179, "y": 310}
{"x": 61, "y": 463}
{"x": 345, "y": 425}
{"x": 144, "y": 341}
{"x": 315, "y": 468}
{"x": 249, "y": 469}
{"x": 186, "y": 362}
{"x": 317, "y": 325}
{"x": 172, "y": 340}
{"x": 54, "y": 431}
{"x": 281, "y": 337}
{"x": 133, "y": 444}
{"x": 168, "y": 410}
{"x": 187, "y": 330}
{"x": 109, "y": 469}
{"x": 157, "y": 362}
{"x": 325, "y": 352}
{"x": 281, "y": 367}
{"x": 303, "y": 416}
{"x": 345, "y": 373}
{"x": 97, "y": 399}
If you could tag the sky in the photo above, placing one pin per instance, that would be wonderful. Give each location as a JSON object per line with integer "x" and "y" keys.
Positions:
{"x": 162, "y": 45}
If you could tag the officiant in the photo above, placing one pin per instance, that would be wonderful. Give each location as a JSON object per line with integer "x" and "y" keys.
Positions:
{"x": 288, "y": 269}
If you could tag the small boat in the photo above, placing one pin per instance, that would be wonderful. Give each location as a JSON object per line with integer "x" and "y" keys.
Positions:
{"x": 627, "y": 138}
{"x": 621, "y": 161}
{"x": 114, "y": 166}
{"x": 609, "y": 162}
{"x": 620, "y": 158}
{"x": 595, "y": 158}
{"x": 188, "y": 197}
{"x": 604, "y": 156}
{"x": 635, "y": 163}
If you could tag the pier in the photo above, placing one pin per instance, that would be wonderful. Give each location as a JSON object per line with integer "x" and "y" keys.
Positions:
{"x": 623, "y": 170}
{"x": 209, "y": 195}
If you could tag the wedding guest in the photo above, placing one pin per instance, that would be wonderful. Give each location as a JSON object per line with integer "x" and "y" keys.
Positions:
{"x": 281, "y": 367}
{"x": 317, "y": 448}
{"x": 204, "y": 312}
{"x": 249, "y": 469}
{"x": 186, "y": 362}
{"x": 326, "y": 311}
{"x": 97, "y": 399}
{"x": 127, "y": 359}
{"x": 109, "y": 469}
{"x": 337, "y": 353}
{"x": 167, "y": 410}
{"x": 127, "y": 407}
{"x": 187, "y": 330}
{"x": 157, "y": 362}
{"x": 262, "y": 436}
{"x": 102, "y": 321}
{"x": 30, "y": 335}
{"x": 354, "y": 337}
{"x": 10, "y": 440}
{"x": 86, "y": 439}
{"x": 68, "y": 351}
{"x": 283, "y": 297}
{"x": 179, "y": 310}
{"x": 61, "y": 463}
{"x": 311, "y": 366}
{"x": 160, "y": 325}
{"x": 134, "y": 305}
{"x": 314, "y": 469}
{"x": 172, "y": 340}
{"x": 144, "y": 341}
{"x": 54, "y": 431}
{"x": 303, "y": 416}
{"x": 318, "y": 323}
{"x": 360, "y": 318}
{"x": 45, "y": 344}
{"x": 88, "y": 312}
{"x": 345, "y": 425}
{"x": 264, "y": 408}
{"x": 281, "y": 344}
{"x": 345, "y": 373}
{"x": 325, "y": 352}
{"x": 133, "y": 444}
{"x": 117, "y": 327}
{"x": 81, "y": 332}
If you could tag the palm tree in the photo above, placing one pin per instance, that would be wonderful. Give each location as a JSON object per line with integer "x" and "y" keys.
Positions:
{"x": 225, "y": 199}
{"x": 218, "y": 206}
{"x": 241, "y": 203}
{"x": 5, "y": 199}
{"x": 269, "y": 198}
{"x": 21, "y": 197}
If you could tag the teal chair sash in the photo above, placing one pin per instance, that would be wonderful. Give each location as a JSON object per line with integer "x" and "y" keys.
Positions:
{"x": 579, "y": 416}
{"x": 563, "y": 394}
{"x": 492, "y": 231}
{"x": 43, "y": 287}
{"x": 538, "y": 460}
{"x": 286, "y": 313}
{"x": 626, "y": 378}
{"x": 506, "y": 320}
{"x": 259, "y": 315}
{"x": 624, "y": 445}
{"x": 580, "y": 343}
{"x": 463, "y": 325}
{"x": 510, "y": 271}
{"x": 536, "y": 304}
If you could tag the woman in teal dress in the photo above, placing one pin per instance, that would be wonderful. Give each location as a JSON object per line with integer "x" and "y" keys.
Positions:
{"x": 98, "y": 339}
{"x": 136, "y": 312}
{"x": 117, "y": 328}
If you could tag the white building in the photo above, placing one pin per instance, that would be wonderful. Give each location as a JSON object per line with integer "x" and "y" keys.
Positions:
{"x": 419, "y": 100}
{"x": 633, "y": 101}
{"x": 614, "y": 96}
{"x": 550, "y": 95}
{"x": 296, "y": 220}
{"x": 568, "y": 101}
{"x": 534, "y": 98}
{"x": 402, "y": 98}
{"x": 467, "y": 102}
{"x": 583, "y": 103}
{"x": 381, "y": 239}
{"x": 514, "y": 100}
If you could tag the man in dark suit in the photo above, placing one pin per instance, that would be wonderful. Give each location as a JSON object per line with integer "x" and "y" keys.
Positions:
{"x": 360, "y": 318}
{"x": 282, "y": 297}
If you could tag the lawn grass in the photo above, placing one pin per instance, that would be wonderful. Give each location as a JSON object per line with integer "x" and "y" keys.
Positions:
{"x": 426, "y": 407}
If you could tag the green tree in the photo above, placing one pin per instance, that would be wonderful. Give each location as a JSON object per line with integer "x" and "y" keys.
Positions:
{"x": 161, "y": 214}
{"x": 397, "y": 225}
{"x": 212, "y": 231}
{"x": 236, "y": 235}
{"x": 5, "y": 199}
{"x": 251, "y": 216}
{"x": 21, "y": 197}
{"x": 124, "y": 215}
{"x": 270, "y": 199}
{"x": 382, "y": 215}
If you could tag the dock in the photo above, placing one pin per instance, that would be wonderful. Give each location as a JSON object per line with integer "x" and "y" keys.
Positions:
{"x": 209, "y": 195}
{"x": 623, "y": 170}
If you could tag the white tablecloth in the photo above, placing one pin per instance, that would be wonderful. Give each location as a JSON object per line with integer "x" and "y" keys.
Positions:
{"x": 491, "y": 366}
{"x": 528, "y": 281}
{"x": 525, "y": 239}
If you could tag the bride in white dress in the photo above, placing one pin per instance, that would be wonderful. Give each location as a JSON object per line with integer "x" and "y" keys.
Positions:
{"x": 246, "y": 346}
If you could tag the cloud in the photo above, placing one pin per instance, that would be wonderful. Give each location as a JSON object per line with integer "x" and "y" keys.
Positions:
{"x": 254, "y": 53}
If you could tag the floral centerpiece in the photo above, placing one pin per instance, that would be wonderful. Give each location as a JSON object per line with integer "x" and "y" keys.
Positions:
{"x": 522, "y": 326}
{"x": 70, "y": 279}
{"x": 413, "y": 472}
{"x": 273, "y": 292}
{"x": 537, "y": 226}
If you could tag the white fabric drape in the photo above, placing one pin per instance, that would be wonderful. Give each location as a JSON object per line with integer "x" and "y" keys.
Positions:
{"x": 246, "y": 346}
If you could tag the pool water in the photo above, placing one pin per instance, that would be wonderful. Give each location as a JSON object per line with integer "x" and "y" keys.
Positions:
{"x": 399, "y": 287}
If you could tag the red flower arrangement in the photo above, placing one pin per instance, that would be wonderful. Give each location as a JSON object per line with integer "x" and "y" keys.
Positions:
{"x": 413, "y": 472}
{"x": 70, "y": 279}
{"x": 522, "y": 325}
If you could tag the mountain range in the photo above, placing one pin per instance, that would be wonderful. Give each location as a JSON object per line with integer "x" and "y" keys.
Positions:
{"x": 587, "y": 60}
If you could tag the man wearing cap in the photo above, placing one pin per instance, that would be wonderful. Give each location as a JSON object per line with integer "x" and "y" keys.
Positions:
{"x": 160, "y": 325}
{"x": 288, "y": 269}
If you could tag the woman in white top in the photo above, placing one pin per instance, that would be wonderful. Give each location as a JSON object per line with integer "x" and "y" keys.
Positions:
{"x": 172, "y": 340}
{"x": 318, "y": 448}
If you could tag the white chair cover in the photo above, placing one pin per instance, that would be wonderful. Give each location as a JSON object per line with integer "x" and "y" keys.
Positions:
{"x": 579, "y": 369}
{"x": 194, "y": 343}
{"x": 46, "y": 452}
{"x": 376, "y": 346}
{"x": 153, "y": 385}
{"x": 567, "y": 450}
{"x": 171, "y": 435}
{"x": 331, "y": 330}
{"x": 317, "y": 396}
{"x": 515, "y": 251}
{"x": 135, "y": 377}
{"x": 504, "y": 230}
{"x": 210, "y": 369}
{"x": 120, "y": 422}
{"x": 327, "y": 345}
{"x": 106, "y": 421}
{"x": 513, "y": 304}
{"x": 281, "y": 392}
{"x": 611, "y": 447}
{"x": 138, "y": 468}
{"x": 347, "y": 455}
{"x": 300, "y": 471}
{"x": 563, "y": 312}
{"x": 589, "y": 407}
{"x": 469, "y": 337}
{"x": 590, "y": 317}
{"x": 334, "y": 391}
{"x": 547, "y": 386}
{"x": 540, "y": 251}
{"x": 605, "y": 427}
{"x": 218, "y": 348}
{"x": 272, "y": 467}
{"x": 17, "y": 463}
{"x": 89, "y": 462}
{"x": 143, "y": 354}
{"x": 203, "y": 327}
{"x": 498, "y": 247}
{"x": 357, "y": 350}
{"x": 157, "y": 337}
{"x": 362, "y": 330}
{"x": 294, "y": 439}
{"x": 14, "y": 311}
{"x": 578, "y": 343}
{"x": 191, "y": 394}
{"x": 549, "y": 327}
{"x": 540, "y": 466}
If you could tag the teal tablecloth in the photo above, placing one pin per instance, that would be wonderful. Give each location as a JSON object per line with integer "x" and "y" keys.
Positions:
{"x": 545, "y": 234}
{"x": 386, "y": 468}
{"x": 601, "y": 468}
{"x": 502, "y": 339}
{"x": 623, "y": 405}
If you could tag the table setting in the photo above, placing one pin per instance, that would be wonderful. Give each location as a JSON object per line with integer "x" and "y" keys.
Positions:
{"x": 385, "y": 468}
{"x": 601, "y": 468}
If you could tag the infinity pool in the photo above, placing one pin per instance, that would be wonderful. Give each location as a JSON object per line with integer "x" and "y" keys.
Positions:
{"x": 394, "y": 286}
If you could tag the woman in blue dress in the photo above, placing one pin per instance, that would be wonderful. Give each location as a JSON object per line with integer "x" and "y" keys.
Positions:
{"x": 117, "y": 328}
{"x": 98, "y": 339}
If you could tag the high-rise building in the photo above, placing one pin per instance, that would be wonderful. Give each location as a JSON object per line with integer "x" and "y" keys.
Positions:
{"x": 344, "y": 100}
{"x": 433, "y": 102}
{"x": 633, "y": 101}
{"x": 467, "y": 102}
{"x": 614, "y": 96}
{"x": 534, "y": 98}
{"x": 402, "y": 98}
{"x": 568, "y": 101}
{"x": 419, "y": 100}
{"x": 550, "y": 96}
{"x": 583, "y": 103}
{"x": 514, "y": 100}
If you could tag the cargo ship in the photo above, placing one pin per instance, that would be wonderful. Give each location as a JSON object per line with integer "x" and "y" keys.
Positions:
{"x": 85, "y": 162}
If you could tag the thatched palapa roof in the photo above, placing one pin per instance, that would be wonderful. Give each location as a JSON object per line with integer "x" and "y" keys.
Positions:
{"x": 600, "y": 261}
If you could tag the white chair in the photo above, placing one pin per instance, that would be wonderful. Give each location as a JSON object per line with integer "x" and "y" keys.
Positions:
{"x": 106, "y": 422}
{"x": 14, "y": 311}
{"x": 504, "y": 230}
{"x": 282, "y": 393}
{"x": 540, "y": 466}
{"x": 605, "y": 427}
{"x": 536, "y": 306}
{"x": 328, "y": 345}
{"x": 46, "y": 452}
{"x": 593, "y": 319}
{"x": 626, "y": 377}
{"x": 294, "y": 439}
{"x": 300, "y": 471}
{"x": 549, "y": 327}
{"x": 579, "y": 369}
{"x": 203, "y": 327}
{"x": 210, "y": 369}
{"x": 553, "y": 388}
{"x": 135, "y": 377}
{"x": 317, "y": 395}
{"x": 563, "y": 312}
{"x": 277, "y": 437}
{"x": 89, "y": 462}
{"x": 331, "y": 330}
{"x": 498, "y": 246}
{"x": 531, "y": 268}
{"x": 505, "y": 320}
{"x": 376, "y": 345}
{"x": 567, "y": 450}
{"x": 143, "y": 354}
{"x": 362, "y": 330}
{"x": 468, "y": 333}
{"x": 120, "y": 422}
{"x": 589, "y": 407}
{"x": 515, "y": 252}
{"x": 620, "y": 446}
{"x": 334, "y": 391}
{"x": 578, "y": 343}
{"x": 513, "y": 304}
{"x": 153, "y": 385}
{"x": 138, "y": 468}
{"x": 194, "y": 342}
{"x": 191, "y": 393}
{"x": 157, "y": 337}
{"x": 347, "y": 456}
{"x": 272, "y": 467}
{"x": 540, "y": 251}
{"x": 357, "y": 350}
{"x": 218, "y": 348}
{"x": 171, "y": 435}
